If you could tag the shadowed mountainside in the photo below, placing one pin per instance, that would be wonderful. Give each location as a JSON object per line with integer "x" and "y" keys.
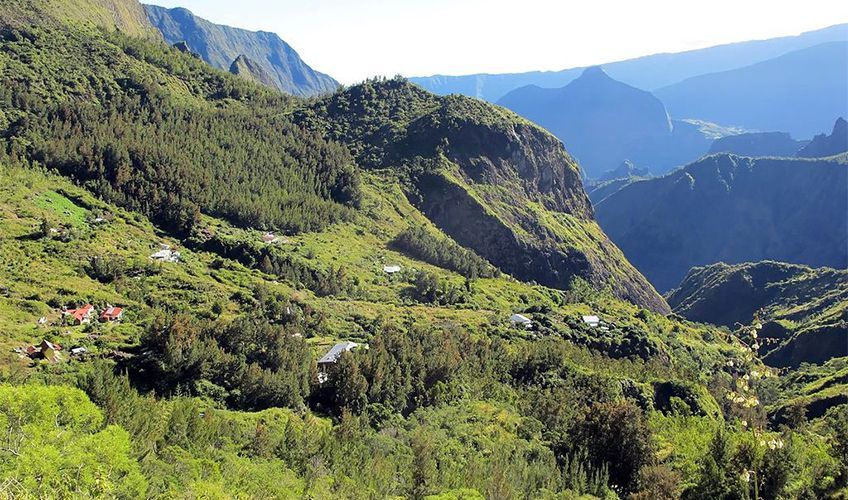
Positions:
{"x": 221, "y": 45}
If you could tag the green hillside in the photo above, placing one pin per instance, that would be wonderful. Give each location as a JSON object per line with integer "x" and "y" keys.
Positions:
{"x": 804, "y": 310}
{"x": 288, "y": 216}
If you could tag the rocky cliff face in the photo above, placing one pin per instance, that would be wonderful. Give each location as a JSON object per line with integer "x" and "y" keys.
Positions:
{"x": 221, "y": 45}
{"x": 726, "y": 208}
{"x": 492, "y": 181}
{"x": 828, "y": 145}
{"x": 246, "y": 68}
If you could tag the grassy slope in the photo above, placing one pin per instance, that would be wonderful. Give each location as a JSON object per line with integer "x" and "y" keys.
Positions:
{"x": 43, "y": 273}
{"x": 127, "y": 16}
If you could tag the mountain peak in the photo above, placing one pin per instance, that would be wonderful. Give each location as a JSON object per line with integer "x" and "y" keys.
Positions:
{"x": 595, "y": 72}
{"x": 828, "y": 145}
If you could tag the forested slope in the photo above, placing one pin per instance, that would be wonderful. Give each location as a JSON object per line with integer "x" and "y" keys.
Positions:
{"x": 209, "y": 385}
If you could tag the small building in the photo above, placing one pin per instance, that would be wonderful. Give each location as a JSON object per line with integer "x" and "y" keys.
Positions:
{"x": 271, "y": 238}
{"x": 392, "y": 269}
{"x": 329, "y": 360}
{"x": 166, "y": 255}
{"x": 78, "y": 351}
{"x": 112, "y": 314}
{"x": 521, "y": 320}
{"x": 81, "y": 315}
{"x": 592, "y": 321}
{"x": 46, "y": 350}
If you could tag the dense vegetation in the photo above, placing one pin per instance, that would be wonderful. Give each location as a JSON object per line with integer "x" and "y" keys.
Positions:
{"x": 199, "y": 141}
{"x": 209, "y": 386}
{"x": 442, "y": 252}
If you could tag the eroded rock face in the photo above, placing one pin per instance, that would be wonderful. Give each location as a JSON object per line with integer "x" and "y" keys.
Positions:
{"x": 502, "y": 169}
{"x": 491, "y": 180}
{"x": 246, "y": 68}
{"x": 726, "y": 208}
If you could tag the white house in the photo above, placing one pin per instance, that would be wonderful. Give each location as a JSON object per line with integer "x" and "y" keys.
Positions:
{"x": 521, "y": 320}
{"x": 391, "y": 269}
{"x": 166, "y": 255}
{"x": 592, "y": 321}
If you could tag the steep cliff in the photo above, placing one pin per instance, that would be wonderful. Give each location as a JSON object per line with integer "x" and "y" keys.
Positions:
{"x": 244, "y": 67}
{"x": 491, "y": 180}
{"x": 726, "y": 208}
{"x": 221, "y": 45}
{"x": 828, "y": 145}
{"x": 804, "y": 311}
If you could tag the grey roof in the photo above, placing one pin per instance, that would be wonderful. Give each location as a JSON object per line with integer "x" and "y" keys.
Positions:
{"x": 520, "y": 318}
{"x": 335, "y": 353}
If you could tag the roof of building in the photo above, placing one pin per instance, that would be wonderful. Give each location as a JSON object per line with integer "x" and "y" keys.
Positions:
{"x": 46, "y": 344}
{"x": 81, "y": 313}
{"x": 391, "y": 269}
{"x": 590, "y": 320}
{"x": 112, "y": 313}
{"x": 335, "y": 353}
{"x": 519, "y": 318}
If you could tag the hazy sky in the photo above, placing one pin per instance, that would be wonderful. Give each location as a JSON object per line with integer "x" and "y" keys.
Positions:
{"x": 354, "y": 39}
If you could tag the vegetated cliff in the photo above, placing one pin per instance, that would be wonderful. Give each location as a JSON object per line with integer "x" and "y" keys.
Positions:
{"x": 803, "y": 310}
{"x": 726, "y": 208}
{"x": 221, "y": 45}
{"x": 492, "y": 181}
{"x": 127, "y": 16}
{"x": 828, "y": 145}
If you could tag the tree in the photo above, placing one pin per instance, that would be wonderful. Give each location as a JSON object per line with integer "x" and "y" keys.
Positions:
{"x": 55, "y": 445}
{"x": 615, "y": 434}
{"x": 351, "y": 385}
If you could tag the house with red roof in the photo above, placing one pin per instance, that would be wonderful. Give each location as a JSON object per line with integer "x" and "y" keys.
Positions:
{"x": 81, "y": 315}
{"x": 112, "y": 314}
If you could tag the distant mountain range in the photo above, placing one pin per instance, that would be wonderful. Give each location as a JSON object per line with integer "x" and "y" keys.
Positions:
{"x": 759, "y": 144}
{"x": 604, "y": 122}
{"x": 801, "y": 92}
{"x": 803, "y": 310}
{"x": 649, "y": 72}
{"x": 259, "y": 55}
{"x": 727, "y": 208}
{"x": 601, "y": 121}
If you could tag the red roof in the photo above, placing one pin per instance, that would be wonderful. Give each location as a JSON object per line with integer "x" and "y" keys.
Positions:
{"x": 111, "y": 314}
{"x": 81, "y": 313}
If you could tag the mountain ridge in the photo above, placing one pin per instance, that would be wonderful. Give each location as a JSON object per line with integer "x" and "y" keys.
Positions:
{"x": 221, "y": 45}
{"x": 801, "y": 92}
{"x": 733, "y": 209}
{"x": 640, "y": 72}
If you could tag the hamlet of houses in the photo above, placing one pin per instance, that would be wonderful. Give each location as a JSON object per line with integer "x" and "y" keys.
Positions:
{"x": 82, "y": 315}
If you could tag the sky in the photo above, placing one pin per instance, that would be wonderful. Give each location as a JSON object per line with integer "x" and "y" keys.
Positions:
{"x": 355, "y": 39}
